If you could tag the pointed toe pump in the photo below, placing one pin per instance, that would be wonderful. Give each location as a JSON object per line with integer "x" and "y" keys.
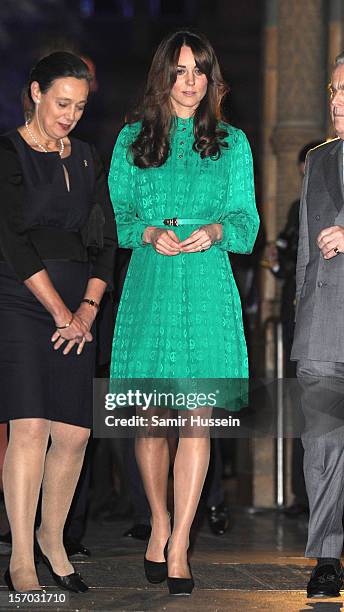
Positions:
{"x": 72, "y": 582}
{"x": 156, "y": 571}
{"x": 179, "y": 586}
{"x": 9, "y": 583}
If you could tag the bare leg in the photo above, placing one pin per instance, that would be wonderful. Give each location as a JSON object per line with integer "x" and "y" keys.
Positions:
{"x": 153, "y": 460}
{"x": 62, "y": 470}
{"x": 190, "y": 469}
{"x": 22, "y": 477}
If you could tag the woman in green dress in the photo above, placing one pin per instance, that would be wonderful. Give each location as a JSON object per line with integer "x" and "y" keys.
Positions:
{"x": 181, "y": 184}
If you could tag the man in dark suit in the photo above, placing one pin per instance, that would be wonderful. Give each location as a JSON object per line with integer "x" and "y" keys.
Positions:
{"x": 319, "y": 346}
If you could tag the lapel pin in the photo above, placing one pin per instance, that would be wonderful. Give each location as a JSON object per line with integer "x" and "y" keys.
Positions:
{"x": 85, "y": 163}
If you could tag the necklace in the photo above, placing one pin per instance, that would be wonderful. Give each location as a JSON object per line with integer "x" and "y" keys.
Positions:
{"x": 41, "y": 146}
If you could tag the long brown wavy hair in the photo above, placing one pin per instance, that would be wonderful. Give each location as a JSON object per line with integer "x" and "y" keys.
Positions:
{"x": 152, "y": 145}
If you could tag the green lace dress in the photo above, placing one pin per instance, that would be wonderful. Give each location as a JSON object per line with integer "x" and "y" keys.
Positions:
{"x": 180, "y": 316}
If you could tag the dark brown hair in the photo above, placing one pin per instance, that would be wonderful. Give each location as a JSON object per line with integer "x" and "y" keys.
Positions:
{"x": 152, "y": 145}
{"x": 57, "y": 65}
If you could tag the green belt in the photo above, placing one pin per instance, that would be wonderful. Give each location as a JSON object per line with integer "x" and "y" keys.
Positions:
{"x": 176, "y": 222}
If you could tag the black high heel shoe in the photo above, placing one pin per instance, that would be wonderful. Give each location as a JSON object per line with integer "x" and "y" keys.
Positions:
{"x": 71, "y": 582}
{"x": 8, "y": 580}
{"x": 180, "y": 586}
{"x": 156, "y": 571}
{"x": 9, "y": 583}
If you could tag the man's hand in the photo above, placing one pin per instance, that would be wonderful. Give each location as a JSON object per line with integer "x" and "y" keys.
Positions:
{"x": 202, "y": 239}
{"x": 163, "y": 241}
{"x": 331, "y": 241}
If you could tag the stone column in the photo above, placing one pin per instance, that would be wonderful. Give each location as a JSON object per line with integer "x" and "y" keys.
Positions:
{"x": 301, "y": 105}
{"x": 262, "y": 449}
{"x": 335, "y": 30}
{"x": 335, "y": 44}
{"x": 268, "y": 157}
{"x": 294, "y": 113}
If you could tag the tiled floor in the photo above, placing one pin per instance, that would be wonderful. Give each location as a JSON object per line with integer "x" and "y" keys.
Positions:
{"x": 257, "y": 565}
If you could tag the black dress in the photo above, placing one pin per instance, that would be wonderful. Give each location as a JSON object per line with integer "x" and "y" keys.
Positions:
{"x": 68, "y": 230}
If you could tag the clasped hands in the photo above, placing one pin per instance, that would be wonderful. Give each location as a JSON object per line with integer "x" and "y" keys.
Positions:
{"x": 331, "y": 241}
{"x": 166, "y": 242}
{"x": 78, "y": 332}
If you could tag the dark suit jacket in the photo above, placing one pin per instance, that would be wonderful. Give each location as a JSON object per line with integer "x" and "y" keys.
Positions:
{"x": 319, "y": 330}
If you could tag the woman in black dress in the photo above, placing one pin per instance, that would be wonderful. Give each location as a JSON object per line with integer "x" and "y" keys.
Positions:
{"x": 57, "y": 238}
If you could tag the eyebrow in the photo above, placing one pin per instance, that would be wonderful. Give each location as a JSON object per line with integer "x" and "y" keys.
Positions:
{"x": 341, "y": 86}
{"x": 70, "y": 100}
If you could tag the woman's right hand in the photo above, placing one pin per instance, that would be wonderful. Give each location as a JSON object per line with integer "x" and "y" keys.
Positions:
{"x": 76, "y": 333}
{"x": 163, "y": 241}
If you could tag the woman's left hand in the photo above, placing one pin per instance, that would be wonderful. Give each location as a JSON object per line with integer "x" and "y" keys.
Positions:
{"x": 202, "y": 239}
{"x": 87, "y": 314}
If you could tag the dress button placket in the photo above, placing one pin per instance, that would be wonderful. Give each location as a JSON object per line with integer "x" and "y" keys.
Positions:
{"x": 181, "y": 142}
{"x": 181, "y": 150}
